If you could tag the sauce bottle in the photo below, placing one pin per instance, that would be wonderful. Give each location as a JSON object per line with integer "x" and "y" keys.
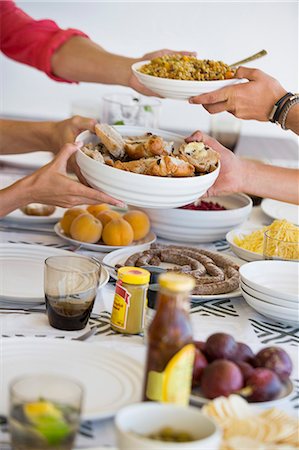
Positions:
{"x": 170, "y": 354}
{"x": 128, "y": 312}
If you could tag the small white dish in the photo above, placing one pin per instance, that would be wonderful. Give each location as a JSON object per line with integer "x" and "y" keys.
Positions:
{"x": 101, "y": 247}
{"x": 278, "y": 278}
{"x": 239, "y": 251}
{"x": 19, "y": 217}
{"x": 142, "y": 190}
{"x": 280, "y": 210}
{"x": 179, "y": 89}
{"x": 197, "y": 399}
{"x": 136, "y": 422}
{"x": 270, "y": 299}
{"x": 277, "y": 313}
{"x": 197, "y": 226}
{"x": 120, "y": 256}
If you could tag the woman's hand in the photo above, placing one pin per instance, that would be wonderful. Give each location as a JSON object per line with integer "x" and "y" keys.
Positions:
{"x": 230, "y": 176}
{"x": 252, "y": 100}
{"x": 51, "y": 185}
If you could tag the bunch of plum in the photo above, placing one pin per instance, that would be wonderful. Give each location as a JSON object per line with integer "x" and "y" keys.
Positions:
{"x": 223, "y": 366}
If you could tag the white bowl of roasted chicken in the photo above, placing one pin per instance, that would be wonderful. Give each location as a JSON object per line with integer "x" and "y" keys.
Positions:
{"x": 146, "y": 167}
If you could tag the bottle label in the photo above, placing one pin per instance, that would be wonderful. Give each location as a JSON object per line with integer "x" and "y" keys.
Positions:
{"x": 121, "y": 306}
{"x": 173, "y": 385}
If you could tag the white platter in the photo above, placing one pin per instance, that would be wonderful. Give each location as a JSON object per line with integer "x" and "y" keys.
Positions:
{"x": 110, "y": 379}
{"x": 19, "y": 217}
{"x": 280, "y": 210}
{"x": 278, "y": 278}
{"x": 277, "y": 313}
{"x": 120, "y": 256}
{"x": 32, "y": 160}
{"x": 183, "y": 225}
{"x": 287, "y": 391}
{"x": 135, "y": 189}
{"x": 239, "y": 251}
{"x": 101, "y": 247}
{"x": 22, "y": 271}
{"x": 179, "y": 89}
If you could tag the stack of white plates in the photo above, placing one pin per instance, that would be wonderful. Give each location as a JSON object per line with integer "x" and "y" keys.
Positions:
{"x": 272, "y": 289}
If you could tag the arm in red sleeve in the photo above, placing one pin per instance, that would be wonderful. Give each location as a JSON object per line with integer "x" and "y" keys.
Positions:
{"x": 30, "y": 41}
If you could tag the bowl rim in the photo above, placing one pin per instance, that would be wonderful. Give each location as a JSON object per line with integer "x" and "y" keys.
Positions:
{"x": 226, "y": 211}
{"x": 138, "y": 64}
{"x": 138, "y": 175}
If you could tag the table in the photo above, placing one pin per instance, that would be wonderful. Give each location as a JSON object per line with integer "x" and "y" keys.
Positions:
{"x": 233, "y": 316}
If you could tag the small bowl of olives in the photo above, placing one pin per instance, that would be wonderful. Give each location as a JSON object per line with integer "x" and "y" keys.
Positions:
{"x": 153, "y": 426}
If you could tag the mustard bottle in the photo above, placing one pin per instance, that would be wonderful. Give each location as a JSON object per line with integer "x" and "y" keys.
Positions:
{"x": 130, "y": 300}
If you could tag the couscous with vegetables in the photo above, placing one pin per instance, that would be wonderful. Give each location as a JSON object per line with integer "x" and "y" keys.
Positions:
{"x": 182, "y": 67}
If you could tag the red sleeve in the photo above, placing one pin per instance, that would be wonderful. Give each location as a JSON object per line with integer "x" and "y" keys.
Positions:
{"x": 30, "y": 41}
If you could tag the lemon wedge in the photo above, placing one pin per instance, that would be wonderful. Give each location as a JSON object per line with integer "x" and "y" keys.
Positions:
{"x": 34, "y": 411}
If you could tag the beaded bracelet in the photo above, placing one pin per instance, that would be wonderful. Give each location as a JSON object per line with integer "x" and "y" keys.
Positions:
{"x": 291, "y": 101}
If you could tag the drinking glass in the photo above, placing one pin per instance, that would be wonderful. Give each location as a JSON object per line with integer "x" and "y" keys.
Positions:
{"x": 44, "y": 412}
{"x": 70, "y": 285}
{"x": 127, "y": 109}
{"x": 275, "y": 248}
{"x": 225, "y": 128}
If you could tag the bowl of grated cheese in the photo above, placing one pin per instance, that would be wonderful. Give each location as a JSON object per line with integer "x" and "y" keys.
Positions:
{"x": 248, "y": 243}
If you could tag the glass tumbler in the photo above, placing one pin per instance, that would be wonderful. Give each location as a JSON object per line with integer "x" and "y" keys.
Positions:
{"x": 44, "y": 412}
{"x": 275, "y": 248}
{"x": 127, "y": 109}
{"x": 70, "y": 285}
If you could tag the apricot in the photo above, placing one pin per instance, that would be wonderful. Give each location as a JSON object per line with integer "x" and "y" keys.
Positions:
{"x": 68, "y": 217}
{"x": 106, "y": 216}
{"x": 139, "y": 222}
{"x": 86, "y": 228}
{"x": 118, "y": 232}
{"x": 96, "y": 209}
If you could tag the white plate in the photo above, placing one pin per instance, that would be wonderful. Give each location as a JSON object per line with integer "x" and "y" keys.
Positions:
{"x": 101, "y": 247}
{"x": 179, "y": 89}
{"x": 270, "y": 299}
{"x": 277, "y": 313}
{"x": 185, "y": 225}
{"x": 278, "y": 278}
{"x": 239, "y": 251}
{"x": 110, "y": 379}
{"x": 32, "y": 160}
{"x": 22, "y": 271}
{"x": 280, "y": 210}
{"x": 135, "y": 189}
{"x": 120, "y": 256}
{"x": 287, "y": 391}
{"x": 19, "y": 217}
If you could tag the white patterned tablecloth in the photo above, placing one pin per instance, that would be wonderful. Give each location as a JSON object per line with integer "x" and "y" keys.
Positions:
{"x": 233, "y": 316}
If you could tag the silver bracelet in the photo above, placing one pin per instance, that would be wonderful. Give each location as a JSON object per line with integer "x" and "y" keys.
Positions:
{"x": 286, "y": 109}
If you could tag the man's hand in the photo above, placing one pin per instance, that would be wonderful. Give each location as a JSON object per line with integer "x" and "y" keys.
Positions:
{"x": 252, "y": 100}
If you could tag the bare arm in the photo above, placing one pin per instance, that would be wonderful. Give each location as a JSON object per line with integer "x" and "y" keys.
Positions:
{"x": 50, "y": 185}
{"x": 255, "y": 178}
{"x": 22, "y": 137}
{"x": 80, "y": 59}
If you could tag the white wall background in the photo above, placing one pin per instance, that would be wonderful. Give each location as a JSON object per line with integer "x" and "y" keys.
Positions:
{"x": 217, "y": 30}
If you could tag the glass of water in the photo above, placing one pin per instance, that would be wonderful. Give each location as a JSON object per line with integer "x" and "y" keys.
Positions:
{"x": 127, "y": 109}
{"x": 44, "y": 412}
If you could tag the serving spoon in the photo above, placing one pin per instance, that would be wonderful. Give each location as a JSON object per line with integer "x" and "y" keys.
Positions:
{"x": 249, "y": 58}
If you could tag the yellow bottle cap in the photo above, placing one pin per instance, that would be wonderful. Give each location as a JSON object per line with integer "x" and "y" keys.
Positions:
{"x": 176, "y": 282}
{"x": 133, "y": 275}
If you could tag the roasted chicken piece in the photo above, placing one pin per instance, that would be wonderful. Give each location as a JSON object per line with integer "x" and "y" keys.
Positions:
{"x": 137, "y": 147}
{"x": 163, "y": 166}
{"x": 202, "y": 157}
